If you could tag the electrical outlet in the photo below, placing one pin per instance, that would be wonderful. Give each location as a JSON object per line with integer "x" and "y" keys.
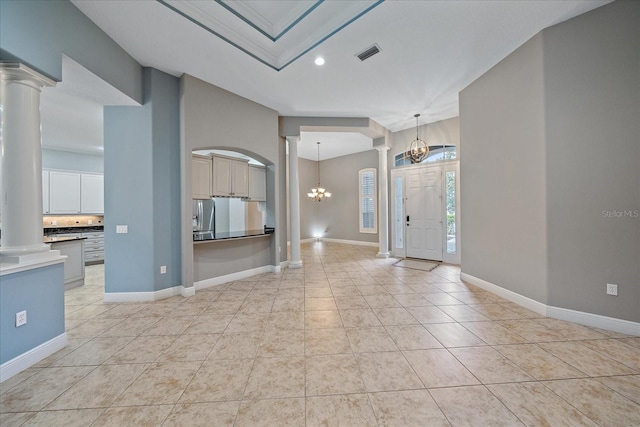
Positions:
{"x": 54, "y": 222}
{"x": 612, "y": 289}
{"x": 90, "y": 222}
{"x": 163, "y": 269}
{"x": 21, "y": 318}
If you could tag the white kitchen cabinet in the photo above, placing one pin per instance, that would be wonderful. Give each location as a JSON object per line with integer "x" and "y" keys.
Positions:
{"x": 92, "y": 193}
{"x": 74, "y": 264}
{"x": 45, "y": 192}
{"x": 93, "y": 247}
{"x": 201, "y": 177}
{"x": 257, "y": 183}
{"x": 64, "y": 192}
{"x": 230, "y": 177}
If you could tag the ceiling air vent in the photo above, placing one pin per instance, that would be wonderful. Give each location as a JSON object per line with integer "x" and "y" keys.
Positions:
{"x": 368, "y": 52}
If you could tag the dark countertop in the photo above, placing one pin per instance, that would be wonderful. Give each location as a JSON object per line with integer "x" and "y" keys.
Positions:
{"x": 75, "y": 229}
{"x": 61, "y": 239}
{"x": 204, "y": 236}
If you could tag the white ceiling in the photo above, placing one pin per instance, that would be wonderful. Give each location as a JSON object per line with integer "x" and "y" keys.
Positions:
{"x": 430, "y": 51}
{"x": 71, "y": 112}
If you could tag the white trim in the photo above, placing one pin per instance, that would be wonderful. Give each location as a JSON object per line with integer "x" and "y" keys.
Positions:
{"x": 595, "y": 320}
{"x": 31, "y": 261}
{"x": 19, "y": 363}
{"x": 283, "y": 264}
{"x": 349, "y": 242}
{"x": 147, "y": 296}
{"x": 526, "y": 302}
{"x": 215, "y": 281}
{"x": 589, "y": 319}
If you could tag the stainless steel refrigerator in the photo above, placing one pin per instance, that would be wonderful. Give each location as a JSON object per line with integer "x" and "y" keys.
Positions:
{"x": 204, "y": 212}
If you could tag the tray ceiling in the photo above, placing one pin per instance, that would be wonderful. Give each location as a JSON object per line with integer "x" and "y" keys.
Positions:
{"x": 274, "y": 32}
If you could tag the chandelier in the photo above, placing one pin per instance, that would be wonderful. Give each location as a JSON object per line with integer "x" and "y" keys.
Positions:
{"x": 418, "y": 149}
{"x": 318, "y": 194}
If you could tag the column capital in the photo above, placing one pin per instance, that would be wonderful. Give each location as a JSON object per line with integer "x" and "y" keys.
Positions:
{"x": 19, "y": 73}
{"x": 293, "y": 138}
{"x": 382, "y": 148}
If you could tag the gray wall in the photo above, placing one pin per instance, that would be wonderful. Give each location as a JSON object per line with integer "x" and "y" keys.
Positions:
{"x": 142, "y": 181}
{"x": 338, "y": 218}
{"x": 502, "y": 180}
{"x": 212, "y": 117}
{"x": 57, "y": 159}
{"x": 309, "y": 211}
{"x": 592, "y": 98}
{"x": 550, "y": 143}
{"x": 217, "y": 259}
{"x": 38, "y": 33}
{"x": 445, "y": 132}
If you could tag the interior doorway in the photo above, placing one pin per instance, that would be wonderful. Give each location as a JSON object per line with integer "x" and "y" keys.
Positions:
{"x": 425, "y": 212}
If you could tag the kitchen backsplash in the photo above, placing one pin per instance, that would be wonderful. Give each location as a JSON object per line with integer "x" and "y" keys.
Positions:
{"x": 54, "y": 221}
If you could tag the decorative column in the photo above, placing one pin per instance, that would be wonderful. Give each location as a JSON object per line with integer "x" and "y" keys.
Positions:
{"x": 294, "y": 203}
{"x": 383, "y": 203}
{"x": 21, "y": 165}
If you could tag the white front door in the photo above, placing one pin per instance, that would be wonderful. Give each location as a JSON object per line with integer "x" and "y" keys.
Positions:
{"x": 423, "y": 213}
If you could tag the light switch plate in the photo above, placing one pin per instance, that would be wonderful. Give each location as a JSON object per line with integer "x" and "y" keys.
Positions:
{"x": 612, "y": 289}
{"x": 122, "y": 229}
{"x": 163, "y": 269}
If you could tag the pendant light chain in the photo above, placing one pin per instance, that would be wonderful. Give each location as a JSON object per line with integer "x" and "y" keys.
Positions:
{"x": 318, "y": 194}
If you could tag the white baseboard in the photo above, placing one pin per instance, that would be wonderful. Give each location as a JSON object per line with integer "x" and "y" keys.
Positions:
{"x": 26, "y": 360}
{"x": 589, "y": 319}
{"x": 595, "y": 320}
{"x": 526, "y": 302}
{"x": 148, "y": 296}
{"x": 342, "y": 241}
{"x": 283, "y": 264}
{"x": 349, "y": 242}
{"x": 215, "y": 281}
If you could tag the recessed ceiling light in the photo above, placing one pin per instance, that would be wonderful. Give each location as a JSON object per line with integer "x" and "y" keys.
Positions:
{"x": 319, "y": 60}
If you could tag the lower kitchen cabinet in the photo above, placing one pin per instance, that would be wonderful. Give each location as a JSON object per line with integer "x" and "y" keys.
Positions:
{"x": 74, "y": 264}
{"x": 94, "y": 247}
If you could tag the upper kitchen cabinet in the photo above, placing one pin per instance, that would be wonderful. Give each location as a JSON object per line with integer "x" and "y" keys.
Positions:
{"x": 64, "y": 192}
{"x": 201, "y": 177}
{"x": 72, "y": 193}
{"x": 230, "y": 177}
{"x": 92, "y": 193}
{"x": 257, "y": 183}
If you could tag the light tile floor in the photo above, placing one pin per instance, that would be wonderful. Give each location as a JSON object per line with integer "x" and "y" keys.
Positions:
{"x": 348, "y": 340}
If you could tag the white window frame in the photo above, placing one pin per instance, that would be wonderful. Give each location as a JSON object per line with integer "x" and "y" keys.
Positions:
{"x": 374, "y": 229}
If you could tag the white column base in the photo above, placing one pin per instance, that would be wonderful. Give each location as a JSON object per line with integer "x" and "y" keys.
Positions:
{"x": 382, "y": 255}
{"x": 295, "y": 264}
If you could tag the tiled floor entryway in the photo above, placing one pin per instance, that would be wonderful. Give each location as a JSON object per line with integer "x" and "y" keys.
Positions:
{"x": 348, "y": 340}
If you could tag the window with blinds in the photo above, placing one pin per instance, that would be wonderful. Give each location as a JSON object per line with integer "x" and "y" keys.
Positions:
{"x": 368, "y": 201}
